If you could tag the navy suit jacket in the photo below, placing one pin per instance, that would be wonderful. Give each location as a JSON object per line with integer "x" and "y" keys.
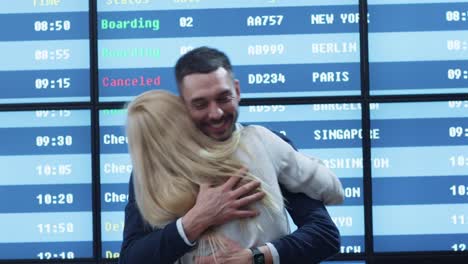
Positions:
{"x": 316, "y": 238}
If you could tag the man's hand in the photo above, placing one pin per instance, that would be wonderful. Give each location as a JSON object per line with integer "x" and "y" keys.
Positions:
{"x": 233, "y": 254}
{"x": 221, "y": 204}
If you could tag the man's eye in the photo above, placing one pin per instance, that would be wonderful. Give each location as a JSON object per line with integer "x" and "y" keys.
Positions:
{"x": 225, "y": 99}
{"x": 199, "y": 105}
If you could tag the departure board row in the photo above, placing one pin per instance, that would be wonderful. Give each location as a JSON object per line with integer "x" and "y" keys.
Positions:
{"x": 139, "y": 44}
{"x": 279, "y": 48}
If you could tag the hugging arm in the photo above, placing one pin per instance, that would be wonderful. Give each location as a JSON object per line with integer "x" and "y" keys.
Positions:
{"x": 317, "y": 237}
{"x": 144, "y": 245}
{"x": 214, "y": 206}
{"x": 299, "y": 173}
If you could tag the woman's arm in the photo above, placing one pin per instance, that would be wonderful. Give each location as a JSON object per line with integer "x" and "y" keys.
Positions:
{"x": 299, "y": 173}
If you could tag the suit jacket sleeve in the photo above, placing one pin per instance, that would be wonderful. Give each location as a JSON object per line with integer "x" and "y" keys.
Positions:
{"x": 144, "y": 245}
{"x": 317, "y": 237}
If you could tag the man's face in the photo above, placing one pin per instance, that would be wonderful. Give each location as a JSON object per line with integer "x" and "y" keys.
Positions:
{"x": 212, "y": 100}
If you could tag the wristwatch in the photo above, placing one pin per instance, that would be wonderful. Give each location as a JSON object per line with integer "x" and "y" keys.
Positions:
{"x": 258, "y": 256}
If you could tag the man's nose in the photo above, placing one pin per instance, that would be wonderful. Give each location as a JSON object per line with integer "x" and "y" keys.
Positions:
{"x": 215, "y": 112}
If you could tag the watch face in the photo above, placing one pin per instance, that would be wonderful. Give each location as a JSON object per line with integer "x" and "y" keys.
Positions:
{"x": 259, "y": 259}
{"x": 258, "y": 256}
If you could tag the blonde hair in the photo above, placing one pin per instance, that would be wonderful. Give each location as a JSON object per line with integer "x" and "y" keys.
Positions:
{"x": 171, "y": 158}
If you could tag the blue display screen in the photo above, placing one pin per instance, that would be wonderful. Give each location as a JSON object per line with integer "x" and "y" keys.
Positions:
{"x": 420, "y": 197}
{"x": 307, "y": 69}
{"x": 47, "y": 157}
{"x": 115, "y": 168}
{"x": 45, "y": 51}
{"x": 139, "y": 44}
{"x": 424, "y": 51}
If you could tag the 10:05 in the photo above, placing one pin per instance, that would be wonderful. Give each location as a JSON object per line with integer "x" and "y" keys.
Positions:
{"x": 48, "y": 170}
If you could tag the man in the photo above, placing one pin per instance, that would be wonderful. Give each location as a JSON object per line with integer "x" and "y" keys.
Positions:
{"x": 212, "y": 95}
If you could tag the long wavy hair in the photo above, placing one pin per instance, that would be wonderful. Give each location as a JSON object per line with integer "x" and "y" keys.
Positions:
{"x": 171, "y": 158}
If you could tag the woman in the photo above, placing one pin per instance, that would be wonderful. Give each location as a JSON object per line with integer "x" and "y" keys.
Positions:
{"x": 171, "y": 158}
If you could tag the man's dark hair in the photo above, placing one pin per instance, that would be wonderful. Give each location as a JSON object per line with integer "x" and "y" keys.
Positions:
{"x": 201, "y": 60}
